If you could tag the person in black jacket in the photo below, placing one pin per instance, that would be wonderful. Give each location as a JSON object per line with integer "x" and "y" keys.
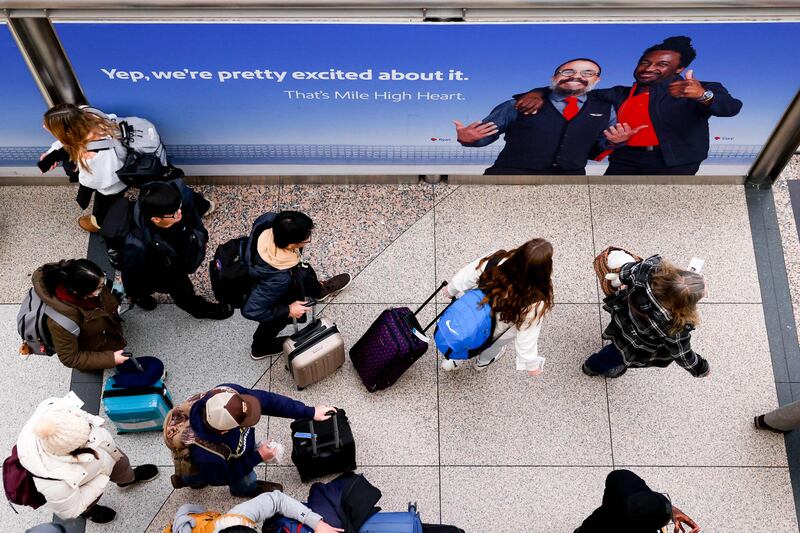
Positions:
{"x": 670, "y": 111}
{"x": 167, "y": 243}
{"x": 630, "y": 506}
{"x": 571, "y": 127}
{"x": 274, "y": 260}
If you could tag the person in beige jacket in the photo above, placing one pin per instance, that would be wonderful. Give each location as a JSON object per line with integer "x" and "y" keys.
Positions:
{"x": 72, "y": 458}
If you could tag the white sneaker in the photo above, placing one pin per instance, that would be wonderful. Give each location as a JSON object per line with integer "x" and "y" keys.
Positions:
{"x": 448, "y": 365}
{"x": 481, "y": 365}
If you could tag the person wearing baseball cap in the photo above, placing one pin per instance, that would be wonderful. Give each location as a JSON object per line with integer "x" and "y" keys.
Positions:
{"x": 222, "y": 420}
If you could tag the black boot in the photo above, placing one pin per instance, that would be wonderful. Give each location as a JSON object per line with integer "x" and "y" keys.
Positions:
{"x": 100, "y": 514}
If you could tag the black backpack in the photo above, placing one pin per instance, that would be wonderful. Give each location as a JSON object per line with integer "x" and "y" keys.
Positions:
{"x": 116, "y": 226}
{"x": 230, "y": 279}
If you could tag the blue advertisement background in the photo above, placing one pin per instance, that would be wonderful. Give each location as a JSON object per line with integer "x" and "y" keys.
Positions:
{"x": 254, "y": 122}
{"x": 21, "y": 104}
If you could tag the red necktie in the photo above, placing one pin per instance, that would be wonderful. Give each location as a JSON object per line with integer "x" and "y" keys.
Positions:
{"x": 572, "y": 107}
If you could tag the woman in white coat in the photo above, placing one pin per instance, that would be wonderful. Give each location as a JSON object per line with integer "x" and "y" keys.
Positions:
{"x": 519, "y": 291}
{"x": 72, "y": 458}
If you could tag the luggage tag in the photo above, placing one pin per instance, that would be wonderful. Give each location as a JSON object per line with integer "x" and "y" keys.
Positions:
{"x": 301, "y": 435}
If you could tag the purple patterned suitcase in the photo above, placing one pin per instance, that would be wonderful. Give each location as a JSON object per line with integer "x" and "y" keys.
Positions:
{"x": 390, "y": 346}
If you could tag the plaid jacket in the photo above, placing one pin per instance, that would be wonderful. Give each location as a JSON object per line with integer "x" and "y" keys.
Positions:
{"x": 640, "y": 325}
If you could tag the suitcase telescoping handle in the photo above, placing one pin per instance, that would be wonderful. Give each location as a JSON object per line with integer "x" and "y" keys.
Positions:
{"x": 431, "y": 297}
{"x": 337, "y": 443}
{"x": 136, "y": 363}
{"x": 432, "y": 322}
{"x": 313, "y": 304}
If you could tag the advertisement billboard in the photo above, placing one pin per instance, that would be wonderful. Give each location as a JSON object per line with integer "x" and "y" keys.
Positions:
{"x": 312, "y": 98}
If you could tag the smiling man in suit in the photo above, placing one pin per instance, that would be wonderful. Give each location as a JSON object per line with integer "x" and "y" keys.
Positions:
{"x": 571, "y": 127}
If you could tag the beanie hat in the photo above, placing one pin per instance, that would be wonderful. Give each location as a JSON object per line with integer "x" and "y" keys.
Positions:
{"x": 61, "y": 431}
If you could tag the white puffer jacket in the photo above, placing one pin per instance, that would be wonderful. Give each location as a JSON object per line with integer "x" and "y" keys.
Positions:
{"x": 75, "y": 482}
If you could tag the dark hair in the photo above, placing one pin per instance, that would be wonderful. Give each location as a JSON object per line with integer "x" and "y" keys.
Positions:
{"x": 291, "y": 227}
{"x": 680, "y": 44}
{"x": 599, "y": 68}
{"x": 158, "y": 199}
{"x": 237, "y": 529}
{"x": 520, "y": 283}
{"x": 79, "y": 276}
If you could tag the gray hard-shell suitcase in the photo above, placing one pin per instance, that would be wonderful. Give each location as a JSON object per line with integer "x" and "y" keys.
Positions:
{"x": 314, "y": 352}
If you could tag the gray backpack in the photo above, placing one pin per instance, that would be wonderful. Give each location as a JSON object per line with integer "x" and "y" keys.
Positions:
{"x": 139, "y": 149}
{"x": 32, "y": 326}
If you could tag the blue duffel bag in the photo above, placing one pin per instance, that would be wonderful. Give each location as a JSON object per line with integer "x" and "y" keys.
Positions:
{"x": 407, "y": 522}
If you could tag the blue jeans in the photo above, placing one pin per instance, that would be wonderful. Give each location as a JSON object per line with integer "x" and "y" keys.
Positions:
{"x": 606, "y": 361}
{"x": 243, "y": 487}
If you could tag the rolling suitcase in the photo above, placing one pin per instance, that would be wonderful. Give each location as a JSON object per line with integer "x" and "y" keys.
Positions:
{"x": 407, "y": 522}
{"x": 322, "y": 448}
{"x": 390, "y": 346}
{"x": 314, "y": 352}
{"x": 141, "y": 407}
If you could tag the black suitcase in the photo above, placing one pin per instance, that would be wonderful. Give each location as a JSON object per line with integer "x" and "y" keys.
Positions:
{"x": 439, "y": 528}
{"x": 322, "y": 448}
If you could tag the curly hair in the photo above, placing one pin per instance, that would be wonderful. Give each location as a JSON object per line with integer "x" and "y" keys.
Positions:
{"x": 678, "y": 291}
{"x": 74, "y": 128}
{"x": 520, "y": 283}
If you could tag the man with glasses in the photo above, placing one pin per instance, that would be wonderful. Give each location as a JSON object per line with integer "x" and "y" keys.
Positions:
{"x": 670, "y": 113}
{"x": 167, "y": 243}
{"x": 283, "y": 281}
{"x": 630, "y": 506}
{"x": 570, "y": 127}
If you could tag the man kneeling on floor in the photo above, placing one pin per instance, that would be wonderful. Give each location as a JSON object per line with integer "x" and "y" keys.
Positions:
{"x": 246, "y": 517}
{"x": 212, "y": 438}
{"x": 282, "y": 279}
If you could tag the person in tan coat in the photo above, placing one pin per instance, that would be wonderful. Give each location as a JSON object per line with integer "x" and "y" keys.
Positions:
{"x": 76, "y": 288}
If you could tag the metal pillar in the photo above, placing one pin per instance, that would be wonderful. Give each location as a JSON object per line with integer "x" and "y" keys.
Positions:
{"x": 780, "y": 147}
{"x": 46, "y": 59}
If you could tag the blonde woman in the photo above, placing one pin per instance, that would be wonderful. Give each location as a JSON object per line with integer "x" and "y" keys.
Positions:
{"x": 653, "y": 315}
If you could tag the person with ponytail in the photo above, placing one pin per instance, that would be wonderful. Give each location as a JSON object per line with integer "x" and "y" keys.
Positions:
{"x": 519, "y": 291}
{"x": 72, "y": 458}
{"x": 653, "y": 314}
{"x": 77, "y": 289}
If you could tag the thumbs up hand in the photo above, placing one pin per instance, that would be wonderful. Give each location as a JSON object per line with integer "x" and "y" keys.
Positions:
{"x": 686, "y": 88}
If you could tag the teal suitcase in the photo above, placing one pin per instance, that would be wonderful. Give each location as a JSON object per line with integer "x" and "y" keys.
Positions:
{"x": 136, "y": 409}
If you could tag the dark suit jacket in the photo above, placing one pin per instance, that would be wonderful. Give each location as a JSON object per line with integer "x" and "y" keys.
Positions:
{"x": 681, "y": 124}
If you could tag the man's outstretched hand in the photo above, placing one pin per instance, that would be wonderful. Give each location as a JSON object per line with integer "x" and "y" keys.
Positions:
{"x": 687, "y": 88}
{"x": 621, "y": 133}
{"x": 475, "y": 131}
{"x": 529, "y": 103}
{"x": 680, "y": 519}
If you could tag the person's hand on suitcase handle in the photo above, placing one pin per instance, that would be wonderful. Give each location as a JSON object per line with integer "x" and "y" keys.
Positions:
{"x": 323, "y": 412}
{"x": 298, "y": 309}
{"x": 119, "y": 357}
{"x": 323, "y": 527}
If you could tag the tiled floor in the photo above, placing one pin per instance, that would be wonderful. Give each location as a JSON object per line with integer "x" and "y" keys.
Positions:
{"x": 478, "y": 449}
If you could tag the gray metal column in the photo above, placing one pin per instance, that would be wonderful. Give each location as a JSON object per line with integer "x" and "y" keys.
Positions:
{"x": 42, "y": 50}
{"x": 779, "y": 148}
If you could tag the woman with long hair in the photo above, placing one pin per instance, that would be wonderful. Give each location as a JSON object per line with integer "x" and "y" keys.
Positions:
{"x": 76, "y": 288}
{"x": 653, "y": 314}
{"x": 74, "y": 128}
{"x": 519, "y": 291}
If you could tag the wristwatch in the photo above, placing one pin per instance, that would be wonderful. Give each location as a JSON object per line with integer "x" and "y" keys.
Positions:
{"x": 707, "y": 96}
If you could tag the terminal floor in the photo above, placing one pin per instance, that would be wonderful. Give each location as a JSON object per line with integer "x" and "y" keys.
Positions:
{"x": 491, "y": 450}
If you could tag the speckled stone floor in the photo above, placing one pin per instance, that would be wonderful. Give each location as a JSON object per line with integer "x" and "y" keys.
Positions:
{"x": 475, "y": 449}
